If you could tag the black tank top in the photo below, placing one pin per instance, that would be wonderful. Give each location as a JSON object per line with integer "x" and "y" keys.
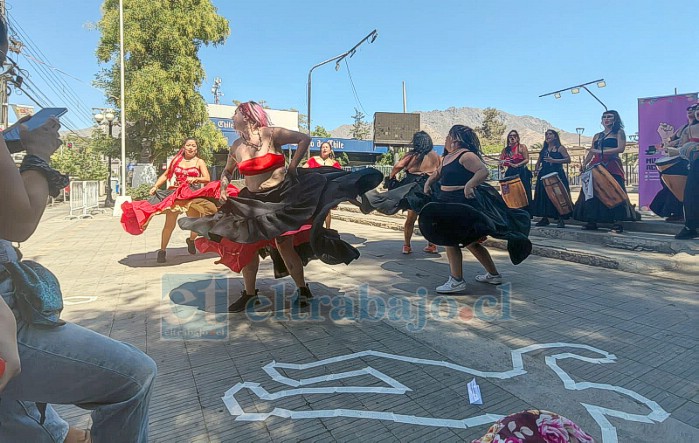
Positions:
{"x": 454, "y": 174}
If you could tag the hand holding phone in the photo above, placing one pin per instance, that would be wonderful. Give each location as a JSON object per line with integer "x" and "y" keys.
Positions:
{"x": 12, "y": 134}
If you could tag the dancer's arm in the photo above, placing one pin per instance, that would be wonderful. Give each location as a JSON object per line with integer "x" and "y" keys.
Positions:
{"x": 474, "y": 164}
{"x": 431, "y": 179}
{"x": 286, "y": 137}
{"x": 402, "y": 164}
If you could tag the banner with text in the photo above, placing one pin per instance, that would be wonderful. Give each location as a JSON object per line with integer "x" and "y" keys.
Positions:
{"x": 653, "y": 112}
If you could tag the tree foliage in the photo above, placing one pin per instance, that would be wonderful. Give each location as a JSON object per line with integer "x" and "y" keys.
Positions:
{"x": 163, "y": 72}
{"x": 360, "y": 129}
{"x": 78, "y": 157}
{"x": 320, "y": 131}
{"x": 492, "y": 128}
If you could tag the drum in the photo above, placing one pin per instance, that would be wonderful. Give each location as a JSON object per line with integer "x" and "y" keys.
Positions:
{"x": 606, "y": 189}
{"x": 673, "y": 172}
{"x": 513, "y": 192}
{"x": 557, "y": 193}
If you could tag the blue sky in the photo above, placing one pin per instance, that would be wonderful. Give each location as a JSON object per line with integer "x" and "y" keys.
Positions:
{"x": 498, "y": 53}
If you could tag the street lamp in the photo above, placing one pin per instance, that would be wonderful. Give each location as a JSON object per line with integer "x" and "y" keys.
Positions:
{"x": 580, "y": 133}
{"x": 576, "y": 90}
{"x": 108, "y": 119}
{"x": 370, "y": 38}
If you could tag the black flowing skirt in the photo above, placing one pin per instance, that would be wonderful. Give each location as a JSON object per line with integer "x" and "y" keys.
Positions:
{"x": 255, "y": 217}
{"x": 594, "y": 211}
{"x": 406, "y": 194}
{"x": 542, "y": 206}
{"x": 525, "y": 175}
{"x": 665, "y": 204}
{"x": 453, "y": 220}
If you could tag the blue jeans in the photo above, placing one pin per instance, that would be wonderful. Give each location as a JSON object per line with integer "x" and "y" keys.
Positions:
{"x": 72, "y": 365}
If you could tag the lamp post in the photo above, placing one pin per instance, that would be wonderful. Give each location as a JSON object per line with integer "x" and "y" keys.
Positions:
{"x": 580, "y": 133}
{"x": 576, "y": 90}
{"x": 107, "y": 119}
{"x": 370, "y": 38}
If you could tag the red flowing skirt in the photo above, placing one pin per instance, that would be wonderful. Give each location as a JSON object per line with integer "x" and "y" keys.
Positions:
{"x": 136, "y": 215}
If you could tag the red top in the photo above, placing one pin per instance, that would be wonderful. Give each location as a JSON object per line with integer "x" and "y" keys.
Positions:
{"x": 512, "y": 157}
{"x": 181, "y": 174}
{"x": 313, "y": 163}
{"x": 261, "y": 164}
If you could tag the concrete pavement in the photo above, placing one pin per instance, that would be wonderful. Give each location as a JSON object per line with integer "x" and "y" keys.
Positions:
{"x": 632, "y": 338}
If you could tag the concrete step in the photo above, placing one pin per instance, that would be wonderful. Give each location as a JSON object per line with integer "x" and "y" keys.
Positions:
{"x": 640, "y": 253}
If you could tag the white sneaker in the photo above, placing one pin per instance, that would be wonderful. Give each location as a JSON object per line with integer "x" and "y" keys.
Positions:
{"x": 452, "y": 285}
{"x": 489, "y": 278}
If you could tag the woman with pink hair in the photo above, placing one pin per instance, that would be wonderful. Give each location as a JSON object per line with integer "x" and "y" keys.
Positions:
{"x": 281, "y": 209}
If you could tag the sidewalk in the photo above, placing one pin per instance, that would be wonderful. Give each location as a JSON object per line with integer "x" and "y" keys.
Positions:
{"x": 413, "y": 386}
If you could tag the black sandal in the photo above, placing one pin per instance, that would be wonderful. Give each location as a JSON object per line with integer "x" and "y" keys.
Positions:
{"x": 591, "y": 226}
{"x": 618, "y": 228}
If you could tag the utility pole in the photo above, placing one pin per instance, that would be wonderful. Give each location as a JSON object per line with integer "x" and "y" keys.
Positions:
{"x": 215, "y": 89}
{"x": 3, "y": 80}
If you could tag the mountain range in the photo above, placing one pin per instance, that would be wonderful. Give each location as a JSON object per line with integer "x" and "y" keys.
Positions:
{"x": 438, "y": 122}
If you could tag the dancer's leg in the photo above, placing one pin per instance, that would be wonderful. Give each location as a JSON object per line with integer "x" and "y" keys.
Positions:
{"x": 250, "y": 274}
{"x": 409, "y": 226}
{"x": 170, "y": 223}
{"x": 285, "y": 246}
{"x": 455, "y": 258}
{"x": 483, "y": 256}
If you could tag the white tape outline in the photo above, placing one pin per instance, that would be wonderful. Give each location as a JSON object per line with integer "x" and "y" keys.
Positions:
{"x": 598, "y": 413}
{"x": 78, "y": 300}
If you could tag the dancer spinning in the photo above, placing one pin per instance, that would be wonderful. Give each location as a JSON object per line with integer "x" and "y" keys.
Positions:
{"x": 272, "y": 214}
{"x": 185, "y": 195}
{"x": 326, "y": 158}
{"x": 552, "y": 157}
{"x": 418, "y": 164}
{"x": 606, "y": 147}
{"x": 465, "y": 210}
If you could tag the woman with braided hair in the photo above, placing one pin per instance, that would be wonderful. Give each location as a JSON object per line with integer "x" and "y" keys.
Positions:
{"x": 464, "y": 210}
{"x": 406, "y": 194}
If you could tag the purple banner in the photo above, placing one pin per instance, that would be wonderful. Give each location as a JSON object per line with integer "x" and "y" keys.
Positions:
{"x": 653, "y": 111}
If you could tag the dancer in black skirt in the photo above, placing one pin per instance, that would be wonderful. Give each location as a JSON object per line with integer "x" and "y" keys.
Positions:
{"x": 551, "y": 159}
{"x": 465, "y": 210}
{"x": 606, "y": 147}
{"x": 280, "y": 211}
{"x": 406, "y": 194}
{"x": 515, "y": 157}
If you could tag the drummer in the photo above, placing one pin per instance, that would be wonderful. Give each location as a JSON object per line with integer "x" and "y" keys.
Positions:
{"x": 665, "y": 203}
{"x": 515, "y": 157}
{"x": 690, "y": 151}
{"x": 606, "y": 147}
{"x": 552, "y": 157}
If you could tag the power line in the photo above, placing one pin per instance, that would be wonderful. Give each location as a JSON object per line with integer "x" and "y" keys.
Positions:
{"x": 36, "y": 57}
{"x": 354, "y": 90}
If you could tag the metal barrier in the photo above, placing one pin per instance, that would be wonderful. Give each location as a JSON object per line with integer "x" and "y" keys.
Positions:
{"x": 84, "y": 198}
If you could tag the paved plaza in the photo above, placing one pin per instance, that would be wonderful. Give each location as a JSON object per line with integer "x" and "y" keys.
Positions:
{"x": 379, "y": 356}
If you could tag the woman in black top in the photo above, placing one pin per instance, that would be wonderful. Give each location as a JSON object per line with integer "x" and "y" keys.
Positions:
{"x": 551, "y": 159}
{"x": 465, "y": 210}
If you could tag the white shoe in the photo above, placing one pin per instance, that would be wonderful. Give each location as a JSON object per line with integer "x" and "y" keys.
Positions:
{"x": 489, "y": 278}
{"x": 452, "y": 285}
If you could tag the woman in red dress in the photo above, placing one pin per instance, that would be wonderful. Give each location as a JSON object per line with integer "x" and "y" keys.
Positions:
{"x": 325, "y": 159}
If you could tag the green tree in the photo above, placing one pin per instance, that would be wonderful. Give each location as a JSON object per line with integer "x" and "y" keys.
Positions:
{"x": 78, "y": 158}
{"x": 343, "y": 159}
{"x": 320, "y": 131}
{"x": 360, "y": 129}
{"x": 492, "y": 128}
{"x": 163, "y": 71}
